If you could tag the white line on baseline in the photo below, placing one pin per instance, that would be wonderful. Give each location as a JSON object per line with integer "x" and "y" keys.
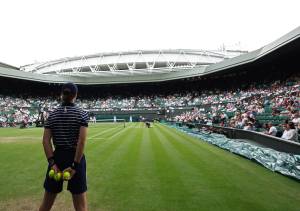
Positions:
{"x": 97, "y": 138}
{"x": 102, "y": 132}
{"x": 117, "y": 133}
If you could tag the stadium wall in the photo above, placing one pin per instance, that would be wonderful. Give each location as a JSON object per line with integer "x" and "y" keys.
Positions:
{"x": 272, "y": 142}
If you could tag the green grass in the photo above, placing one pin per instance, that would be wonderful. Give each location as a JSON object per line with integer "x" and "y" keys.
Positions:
{"x": 147, "y": 169}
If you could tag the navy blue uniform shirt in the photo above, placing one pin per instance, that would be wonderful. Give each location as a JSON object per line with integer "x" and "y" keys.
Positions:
{"x": 65, "y": 122}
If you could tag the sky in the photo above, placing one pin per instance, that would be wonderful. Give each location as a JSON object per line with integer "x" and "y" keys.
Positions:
{"x": 36, "y": 31}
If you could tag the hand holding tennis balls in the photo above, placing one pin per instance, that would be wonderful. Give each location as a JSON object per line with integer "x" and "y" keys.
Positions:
{"x": 57, "y": 176}
{"x": 68, "y": 173}
{"x": 51, "y": 173}
{"x": 55, "y": 173}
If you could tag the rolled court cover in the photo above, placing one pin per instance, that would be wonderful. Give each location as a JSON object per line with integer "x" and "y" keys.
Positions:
{"x": 284, "y": 163}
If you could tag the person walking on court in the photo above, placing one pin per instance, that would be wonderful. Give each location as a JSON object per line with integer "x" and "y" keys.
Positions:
{"x": 67, "y": 127}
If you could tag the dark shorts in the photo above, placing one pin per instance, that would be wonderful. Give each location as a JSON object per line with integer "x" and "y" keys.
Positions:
{"x": 64, "y": 159}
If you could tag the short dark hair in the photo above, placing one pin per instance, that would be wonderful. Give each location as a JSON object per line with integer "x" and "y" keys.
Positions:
{"x": 68, "y": 92}
{"x": 292, "y": 125}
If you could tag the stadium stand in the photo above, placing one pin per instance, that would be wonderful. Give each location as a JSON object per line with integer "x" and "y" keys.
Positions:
{"x": 253, "y": 108}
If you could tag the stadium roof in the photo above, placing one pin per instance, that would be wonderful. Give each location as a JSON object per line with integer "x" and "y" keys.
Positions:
{"x": 139, "y": 66}
{"x": 3, "y": 65}
{"x": 131, "y": 62}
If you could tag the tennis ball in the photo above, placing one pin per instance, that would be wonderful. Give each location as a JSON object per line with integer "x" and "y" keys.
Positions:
{"x": 57, "y": 177}
{"x": 51, "y": 173}
{"x": 66, "y": 175}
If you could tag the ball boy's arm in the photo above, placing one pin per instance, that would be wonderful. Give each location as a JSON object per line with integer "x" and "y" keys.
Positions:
{"x": 47, "y": 143}
{"x": 48, "y": 149}
{"x": 80, "y": 144}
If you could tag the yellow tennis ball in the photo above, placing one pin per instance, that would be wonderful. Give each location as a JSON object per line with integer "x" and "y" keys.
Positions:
{"x": 67, "y": 175}
{"x": 51, "y": 173}
{"x": 57, "y": 177}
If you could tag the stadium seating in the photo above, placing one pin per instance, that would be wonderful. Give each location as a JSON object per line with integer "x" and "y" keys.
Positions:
{"x": 273, "y": 103}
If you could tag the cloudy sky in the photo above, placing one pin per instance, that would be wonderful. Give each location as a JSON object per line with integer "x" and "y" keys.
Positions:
{"x": 35, "y": 30}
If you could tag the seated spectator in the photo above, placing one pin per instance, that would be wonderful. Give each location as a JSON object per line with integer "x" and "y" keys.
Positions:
{"x": 296, "y": 118}
{"x": 272, "y": 130}
{"x": 290, "y": 132}
{"x": 249, "y": 126}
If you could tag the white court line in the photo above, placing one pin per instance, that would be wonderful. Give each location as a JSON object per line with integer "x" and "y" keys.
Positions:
{"x": 117, "y": 133}
{"x": 97, "y": 138}
{"x": 102, "y": 132}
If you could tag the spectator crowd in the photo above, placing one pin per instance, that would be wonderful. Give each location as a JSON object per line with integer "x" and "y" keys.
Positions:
{"x": 269, "y": 108}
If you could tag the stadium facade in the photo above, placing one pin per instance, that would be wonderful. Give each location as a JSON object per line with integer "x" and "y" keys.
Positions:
{"x": 151, "y": 66}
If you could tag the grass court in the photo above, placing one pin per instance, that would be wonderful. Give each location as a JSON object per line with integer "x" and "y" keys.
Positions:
{"x": 136, "y": 168}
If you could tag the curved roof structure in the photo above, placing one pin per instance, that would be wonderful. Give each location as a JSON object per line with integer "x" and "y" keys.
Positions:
{"x": 130, "y": 63}
{"x": 147, "y": 66}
